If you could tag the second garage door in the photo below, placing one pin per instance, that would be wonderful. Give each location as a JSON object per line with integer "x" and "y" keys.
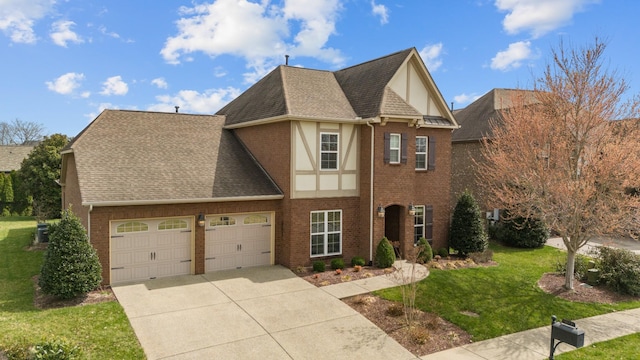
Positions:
{"x": 238, "y": 240}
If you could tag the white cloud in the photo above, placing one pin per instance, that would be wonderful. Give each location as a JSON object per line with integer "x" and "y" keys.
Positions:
{"x": 192, "y": 101}
{"x": 512, "y": 57}
{"x": 160, "y": 82}
{"x": 114, "y": 86}
{"x": 381, "y": 11}
{"x": 65, "y": 84}
{"x": 17, "y": 18}
{"x": 464, "y": 99}
{"x": 539, "y": 16}
{"x": 61, "y": 33}
{"x": 258, "y": 32}
{"x": 431, "y": 54}
{"x": 85, "y": 94}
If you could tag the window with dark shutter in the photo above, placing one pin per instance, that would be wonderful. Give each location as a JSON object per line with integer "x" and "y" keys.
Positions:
{"x": 403, "y": 143}
{"x": 387, "y": 147}
{"x": 432, "y": 153}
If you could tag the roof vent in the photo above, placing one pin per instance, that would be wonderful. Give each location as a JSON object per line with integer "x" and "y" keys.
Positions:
{"x": 177, "y": 107}
{"x": 286, "y": 60}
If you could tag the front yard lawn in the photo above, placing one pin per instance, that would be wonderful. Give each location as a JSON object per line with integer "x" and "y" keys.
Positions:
{"x": 622, "y": 348}
{"x": 488, "y": 302}
{"x": 102, "y": 331}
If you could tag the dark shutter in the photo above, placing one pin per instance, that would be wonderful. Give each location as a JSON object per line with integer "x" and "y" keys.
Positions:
{"x": 428, "y": 222}
{"x": 387, "y": 147}
{"x": 403, "y": 148}
{"x": 432, "y": 153}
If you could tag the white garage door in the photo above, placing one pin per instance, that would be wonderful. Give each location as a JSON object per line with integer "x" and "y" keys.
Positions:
{"x": 148, "y": 249}
{"x": 236, "y": 241}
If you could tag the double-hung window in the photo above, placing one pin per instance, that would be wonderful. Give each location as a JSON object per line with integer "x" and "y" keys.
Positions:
{"x": 421, "y": 152}
{"x": 326, "y": 233}
{"x": 418, "y": 224}
{"x": 329, "y": 151}
{"x": 394, "y": 148}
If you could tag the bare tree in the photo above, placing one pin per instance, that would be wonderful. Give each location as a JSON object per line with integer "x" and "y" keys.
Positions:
{"x": 20, "y": 132}
{"x": 563, "y": 159}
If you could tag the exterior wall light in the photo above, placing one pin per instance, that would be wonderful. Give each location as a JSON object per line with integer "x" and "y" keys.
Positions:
{"x": 380, "y": 211}
{"x": 201, "y": 220}
{"x": 412, "y": 210}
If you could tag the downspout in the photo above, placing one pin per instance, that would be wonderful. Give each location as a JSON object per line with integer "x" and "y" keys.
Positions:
{"x": 89, "y": 223}
{"x": 371, "y": 194}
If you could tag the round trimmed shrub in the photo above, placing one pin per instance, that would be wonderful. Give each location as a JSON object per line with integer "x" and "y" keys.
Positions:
{"x": 385, "y": 256}
{"x": 357, "y": 260}
{"x": 71, "y": 266}
{"x": 318, "y": 266}
{"x": 426, "y": 253}
{"x": 521, "y": 232}
{"x": 467, "y": 233}
{"x": 337, "y": 264}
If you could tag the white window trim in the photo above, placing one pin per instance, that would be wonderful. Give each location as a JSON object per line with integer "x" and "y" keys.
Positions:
{"x": 392, "y": 149}
{"x": 419, "y": 225}
{"x": 337, "y": 152}
{"x": 325, "y": 233}
{"x": 425, "y": 153}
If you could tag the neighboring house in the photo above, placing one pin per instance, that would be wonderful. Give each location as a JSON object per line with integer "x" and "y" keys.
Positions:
{"x": 475, "y": 126}
{"x": 305, "y": 165}
{"x": 11, "y": 157}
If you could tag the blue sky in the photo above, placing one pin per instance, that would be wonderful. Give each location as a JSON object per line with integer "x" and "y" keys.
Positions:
{"x": 64, "y": 61}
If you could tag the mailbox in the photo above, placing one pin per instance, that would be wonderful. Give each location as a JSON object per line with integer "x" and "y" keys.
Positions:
{"x": 565, "y": 332}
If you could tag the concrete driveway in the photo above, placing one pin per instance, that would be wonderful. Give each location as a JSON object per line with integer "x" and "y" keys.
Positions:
{"x": 254, "y": 313}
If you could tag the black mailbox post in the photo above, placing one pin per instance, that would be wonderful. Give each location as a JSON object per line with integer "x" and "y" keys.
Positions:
{"x": 565, "y": 332}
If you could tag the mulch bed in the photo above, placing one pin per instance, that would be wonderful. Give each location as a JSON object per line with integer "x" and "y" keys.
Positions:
{"x": 44, "y": 301}
{"x": 553, "y": 283}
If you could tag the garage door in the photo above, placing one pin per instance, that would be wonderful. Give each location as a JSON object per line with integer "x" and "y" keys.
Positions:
{"x": 237, "y": 241}
{"x": 148, "y": 249}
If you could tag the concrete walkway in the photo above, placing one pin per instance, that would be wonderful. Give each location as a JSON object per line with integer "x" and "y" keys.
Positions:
{"x": 256, "y": 313}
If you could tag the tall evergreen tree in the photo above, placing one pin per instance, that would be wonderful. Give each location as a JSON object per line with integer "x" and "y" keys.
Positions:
{"x": 467, "y": 233}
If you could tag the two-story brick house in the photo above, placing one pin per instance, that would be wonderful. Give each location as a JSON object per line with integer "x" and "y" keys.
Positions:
{"x": 305, "y": 165}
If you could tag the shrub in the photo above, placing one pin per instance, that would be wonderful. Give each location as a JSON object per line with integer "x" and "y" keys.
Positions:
{"x": 358, "y": 260}
{"x": 619, "y": 269}
{"x": 337, "y": 264}
{"x": 71, "y": 266}
{"x": 55, "y": 350}
{"x": 385, "y": 256}
{"x": 443, "y": 252}
{"x": 482, "y": 257}
{"x": 521, "y": 232}
{"x": 318, "y": 266}
{"x": 467, "y": 233}
{"x": 426, "y": 253}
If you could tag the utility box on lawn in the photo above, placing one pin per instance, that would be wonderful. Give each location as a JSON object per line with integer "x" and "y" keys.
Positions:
{"x": 43, "y": 232}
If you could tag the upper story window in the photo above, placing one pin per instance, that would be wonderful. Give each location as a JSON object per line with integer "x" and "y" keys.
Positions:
{"x": 421, "y": 152}
{"x": 394, "y": 148}
{"x": 329, "y": 151}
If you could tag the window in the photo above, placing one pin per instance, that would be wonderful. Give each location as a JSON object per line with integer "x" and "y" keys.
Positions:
{"x": 222, "y": 221}
{"x": 326, "y": 233}
{"x": 394, "y": 148}
{"x": 421, "y": 153}
{"x": 172, "y": 224}
{"x": 255, "y": 219}
{"x": 132, "y": 226}
{"x": 328, "y": 151}
{"x": 418, "y": 224}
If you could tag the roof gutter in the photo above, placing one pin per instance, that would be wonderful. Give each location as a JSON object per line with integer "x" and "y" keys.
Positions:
{"x": 182, "y": 201}
{"x": 288, "y": 117}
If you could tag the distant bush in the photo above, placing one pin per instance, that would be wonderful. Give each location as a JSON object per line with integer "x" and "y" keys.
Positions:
{"x": 71, "y": 266}
{"x": 318, "y": 266}
{"x": 337, "y": 264}
{"x": 426, "y": 253}
{"x": 443, "y": 252}
{"x": 358, "y": 260}
{"x": 385, "y": 256}
{"x": 580, "y": 268}
{"x": 482, "y": 257}
{"x": 619, "y": 269}
{"x": 520, "y": 232}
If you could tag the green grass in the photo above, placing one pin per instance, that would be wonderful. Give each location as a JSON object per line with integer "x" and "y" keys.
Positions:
{"x": 506, "y": 297}
{"x": 622, "y": 348}
{"x": 102, "y": 331}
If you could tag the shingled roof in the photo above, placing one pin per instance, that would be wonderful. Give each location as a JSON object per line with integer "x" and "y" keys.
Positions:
{"x": 11, "y": 157}
{"x": 357, "y": 92}
{"x": 140, "y": 157}
{"x": 475, "y": 119}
